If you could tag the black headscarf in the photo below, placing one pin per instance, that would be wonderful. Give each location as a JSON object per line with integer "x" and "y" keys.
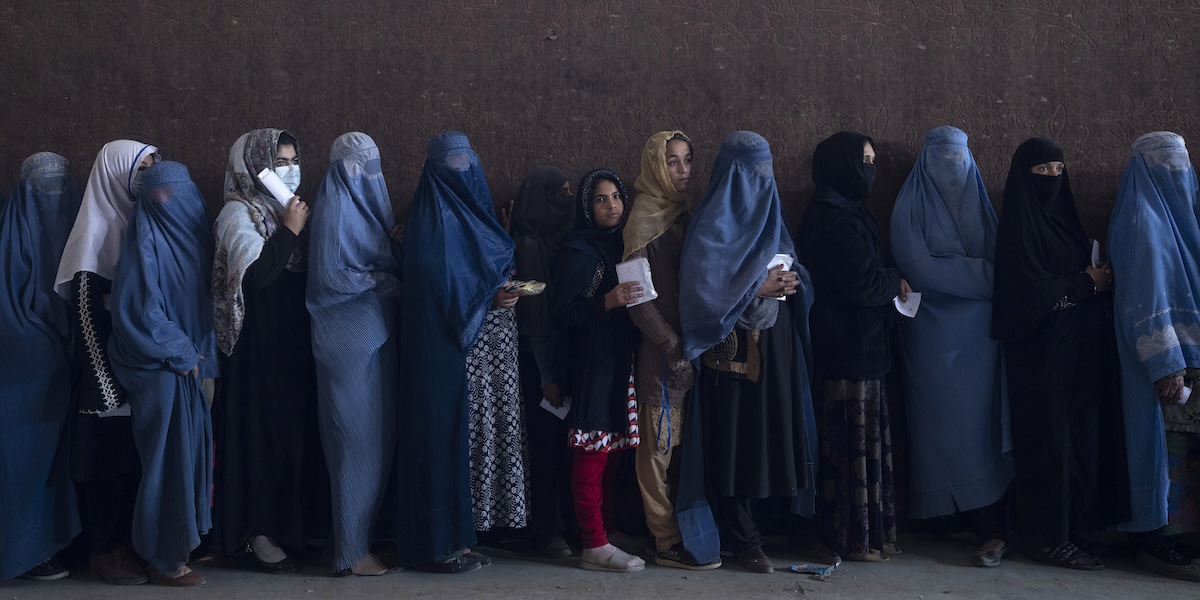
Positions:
{"x": 603, "y": 245}
{"x": 838, "y": 164}
{"x": 1039, "y": 243}
{"x": 541, "y": 221}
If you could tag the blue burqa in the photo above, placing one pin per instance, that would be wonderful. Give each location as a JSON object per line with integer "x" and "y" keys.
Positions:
{"x": 943, "y": 236}
{"x": 1154, "y": 243}
{"x": 40, "y": 514}
{"x": 353, "y": 295}
{"x": 457, "y": 255}
{"x": 162, "y": 345}
{"x": 730, "y": 242}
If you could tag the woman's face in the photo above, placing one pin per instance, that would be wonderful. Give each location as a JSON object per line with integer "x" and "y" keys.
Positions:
{"x": 1053, "y": 168}
{"x": 564, "y": 191}
{"x": 607, "y": 205}
{"x": 286, "y": 155}
{"x": 868, "y": 153}
{"x": 678, "y": 155}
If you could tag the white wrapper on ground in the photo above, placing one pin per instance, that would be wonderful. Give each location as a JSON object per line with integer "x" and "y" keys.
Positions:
{"x": 637, "y": 270}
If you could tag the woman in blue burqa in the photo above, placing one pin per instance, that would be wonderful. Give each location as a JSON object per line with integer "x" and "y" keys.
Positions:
{"x": 162, "y": 345}
{"x": 1154, "y": 241}
{"x": 944, "y": 241}
{"x": 40, "y": 513}
{"x": 353, "y": 296}
{"x": 759, "y": 428}
{"x": 458, "y": 258}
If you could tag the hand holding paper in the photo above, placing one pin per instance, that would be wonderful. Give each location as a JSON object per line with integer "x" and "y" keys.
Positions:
{"x": 781, "y": 259}
{"x": 276, "y": 186}
{"x": 637, "y": 270}
{"x": 908, "y": 307}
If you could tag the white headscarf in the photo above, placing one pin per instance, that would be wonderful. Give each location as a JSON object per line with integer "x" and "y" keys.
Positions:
{"x": 95, "y": 242}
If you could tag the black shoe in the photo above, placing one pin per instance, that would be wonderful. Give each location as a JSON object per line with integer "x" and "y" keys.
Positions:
{"x": 1068, "y": 556}
{"x": 483, "y": 559}
{"x": 51, "y": 570}
{"x": 1170, "y": 563}
{"x": 754, "y": 560}
{"x": 453, "y": 566}
{"x": 678, "y": 557}
{"x": 247, "y": 560}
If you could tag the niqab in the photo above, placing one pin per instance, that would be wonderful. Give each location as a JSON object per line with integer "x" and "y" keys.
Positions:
{"x": 1039, "y": 240}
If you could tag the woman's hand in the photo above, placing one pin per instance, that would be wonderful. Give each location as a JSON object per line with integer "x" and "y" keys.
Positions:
{"x": 397, "y": 233}
{"x": 1102, "y": 276}
{"x": 1170, "y": 388}
{"x": 904, "y": 290}
{"x": 623, "y": 295}
{"x": 296, "y": 215}
{"x": 195, "y": 371}
{"x": 505, "y": 215}
{"x": 505, "y": 299}
{"x": 552, "y": 395}
{"x": 778, "y": 283}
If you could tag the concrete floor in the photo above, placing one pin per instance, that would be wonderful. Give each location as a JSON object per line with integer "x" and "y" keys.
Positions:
{"x": 928, "y": 569}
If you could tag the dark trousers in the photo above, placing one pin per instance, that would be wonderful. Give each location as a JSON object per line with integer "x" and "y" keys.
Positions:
{"x": 738, "y": 530}
{"x": 108, "y": 510}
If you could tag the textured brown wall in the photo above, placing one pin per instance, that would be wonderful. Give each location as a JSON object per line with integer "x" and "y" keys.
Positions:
{"x": 582, "y": 84}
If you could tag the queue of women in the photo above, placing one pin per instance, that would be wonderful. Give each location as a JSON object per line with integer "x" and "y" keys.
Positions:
{"x": 285, "y": 375}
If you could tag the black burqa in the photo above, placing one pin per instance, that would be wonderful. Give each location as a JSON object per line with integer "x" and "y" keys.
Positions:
{"x": 541, "y": 221}
{"x": 1068, "y": 438}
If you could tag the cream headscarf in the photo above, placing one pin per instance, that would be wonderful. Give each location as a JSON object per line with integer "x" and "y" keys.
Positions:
{"x": 95, "y": 241}
{"x": 657, "y": 204}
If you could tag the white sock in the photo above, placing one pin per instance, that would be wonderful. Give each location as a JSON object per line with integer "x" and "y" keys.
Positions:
{"x": 266, "y": 550}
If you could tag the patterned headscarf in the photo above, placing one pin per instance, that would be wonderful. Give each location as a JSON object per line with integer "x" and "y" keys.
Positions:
{"x": 250, "y": 217}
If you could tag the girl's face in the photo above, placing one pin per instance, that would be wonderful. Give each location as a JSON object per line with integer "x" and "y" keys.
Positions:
{"x": 1053, "y": 168}
{"x": 607, "y": 205}
{"x": 678, "y": 155}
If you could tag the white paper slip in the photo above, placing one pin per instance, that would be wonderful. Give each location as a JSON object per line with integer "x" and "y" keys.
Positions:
{"x": 638, "y": 270}
{"x": 1185, "y": 393}
{"x": 909, "y": 307}
{"x": 1095, "y": 254}
{"x": 560, "y": 412}
{"x": 123, "y": 410}
{"x": 781, "y": 259}
{"x": 276, "y": 186}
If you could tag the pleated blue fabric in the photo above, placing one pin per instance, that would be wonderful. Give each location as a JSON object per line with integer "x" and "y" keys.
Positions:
{"x": 1154, "y": 243}
{"x": 162, "y": 330}
{"x": 943, "y": 236}
{"x": 456, "y": 256}
{"x": 353, "y": 296}
{"x": 40, "y": 514}
{"x": 730, "y": 242}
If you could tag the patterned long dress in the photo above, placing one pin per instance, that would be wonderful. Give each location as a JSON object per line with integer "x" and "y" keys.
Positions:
{"x": 499, "y": 451}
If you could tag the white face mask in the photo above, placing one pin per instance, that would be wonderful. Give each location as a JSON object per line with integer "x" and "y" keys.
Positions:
{"x": 290, "y": 176}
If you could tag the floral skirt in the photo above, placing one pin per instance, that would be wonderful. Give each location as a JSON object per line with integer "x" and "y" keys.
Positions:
{"x": 857, "y": 490}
